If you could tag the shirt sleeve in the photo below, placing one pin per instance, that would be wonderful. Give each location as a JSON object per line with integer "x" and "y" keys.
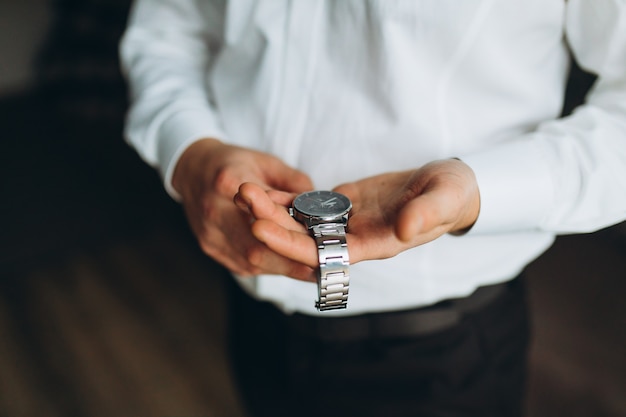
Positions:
{"x": 569, "y": 175}
{"x": 165, "y": 54}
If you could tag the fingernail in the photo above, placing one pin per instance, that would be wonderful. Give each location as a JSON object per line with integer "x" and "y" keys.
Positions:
{"x": 241, "y": 203}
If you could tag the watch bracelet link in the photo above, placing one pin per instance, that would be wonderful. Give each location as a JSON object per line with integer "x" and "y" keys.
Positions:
{"x": 333, "y": 275}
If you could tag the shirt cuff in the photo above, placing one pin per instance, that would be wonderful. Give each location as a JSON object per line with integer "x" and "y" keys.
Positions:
{"x": 515, "y": 185}
{"x": 176, "y": 134}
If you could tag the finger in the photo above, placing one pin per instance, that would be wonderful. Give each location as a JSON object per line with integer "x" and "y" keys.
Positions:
{"x": 433, "y": 211}
{"x": 284, "y": 177}
{"x": 246, "y": 256}
{"x": 255, "y": 200}
{"x": 282, "y": 198}
{"x": 241, "y": 204}
{"x": 215, "y": 228}
{"x": 266, "y": 261}
{"x": 259, "y": 203}
{"x": 255, "y": 260}
{"x": 350, "y": 190}
{"x": 294, "y": 245}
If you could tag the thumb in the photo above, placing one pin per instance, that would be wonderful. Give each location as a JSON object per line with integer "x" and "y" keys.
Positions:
{"x": 285, "y": 178}
{"x": 423, "y": 214}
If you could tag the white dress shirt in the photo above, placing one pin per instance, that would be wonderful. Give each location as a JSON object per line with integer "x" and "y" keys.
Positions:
{"x": 347, "y": 89}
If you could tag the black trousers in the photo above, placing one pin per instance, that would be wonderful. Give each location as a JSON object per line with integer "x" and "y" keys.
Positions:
{"x": 475, "y": 368}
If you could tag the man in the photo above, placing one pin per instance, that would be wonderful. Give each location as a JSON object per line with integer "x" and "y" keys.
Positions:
{"x": 439, "y": 120}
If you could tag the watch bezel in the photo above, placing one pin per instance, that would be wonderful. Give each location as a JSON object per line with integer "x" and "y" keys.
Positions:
{"x": 311, "y": 219}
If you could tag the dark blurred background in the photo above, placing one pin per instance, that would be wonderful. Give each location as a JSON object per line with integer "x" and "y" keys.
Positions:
{"x": 108, "y": 308}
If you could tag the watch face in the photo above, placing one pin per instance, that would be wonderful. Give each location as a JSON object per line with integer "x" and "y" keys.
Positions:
{"x": 324, "y": 204}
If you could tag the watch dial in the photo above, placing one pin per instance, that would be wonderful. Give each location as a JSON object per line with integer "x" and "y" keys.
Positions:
{"x": 322, "y": 203}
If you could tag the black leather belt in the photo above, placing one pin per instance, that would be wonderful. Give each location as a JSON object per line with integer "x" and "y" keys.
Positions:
{"x": 417, "y": 322}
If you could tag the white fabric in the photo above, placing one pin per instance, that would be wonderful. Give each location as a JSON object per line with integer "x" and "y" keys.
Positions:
{"x": 347, "y": 89}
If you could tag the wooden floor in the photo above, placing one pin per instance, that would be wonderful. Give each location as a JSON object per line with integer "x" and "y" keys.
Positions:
{"x": 107, "y": 307}
{"x": 136, "y": 328}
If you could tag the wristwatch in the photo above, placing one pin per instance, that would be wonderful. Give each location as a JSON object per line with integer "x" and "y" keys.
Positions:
{"x": 325, "y": 214}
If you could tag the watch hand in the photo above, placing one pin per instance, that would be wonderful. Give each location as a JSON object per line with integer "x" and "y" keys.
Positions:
{"x": 328, "y": 201}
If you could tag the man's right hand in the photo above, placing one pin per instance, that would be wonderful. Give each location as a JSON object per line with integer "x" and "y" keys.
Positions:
{"x": 207, "y": 177}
